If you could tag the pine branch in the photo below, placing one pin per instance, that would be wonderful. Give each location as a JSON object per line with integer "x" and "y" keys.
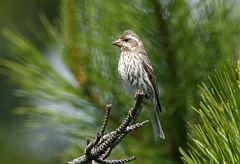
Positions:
{"x": 101, "y": 147}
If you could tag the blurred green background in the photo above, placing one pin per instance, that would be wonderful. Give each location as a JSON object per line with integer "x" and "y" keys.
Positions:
{"x": 58, "y": 70}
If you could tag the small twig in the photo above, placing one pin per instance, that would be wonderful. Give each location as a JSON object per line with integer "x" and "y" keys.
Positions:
{"x": 136, "y": 126}
{"x": 107, "y": 153}
{"x": 116, "y": 161}
{"x": 128, "y": 129}
{"x": 89, "y": 156}
{"x": 101, "y": 147}
{"x": 108, "y": 111}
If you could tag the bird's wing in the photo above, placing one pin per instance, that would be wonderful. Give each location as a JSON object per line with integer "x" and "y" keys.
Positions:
{"x": 149, "y": 69}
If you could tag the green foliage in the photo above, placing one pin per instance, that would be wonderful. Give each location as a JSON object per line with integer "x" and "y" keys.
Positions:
{"x": 49, "y": 93}
{"x": 216, "y": 138}
{"x": 65, "y": 83}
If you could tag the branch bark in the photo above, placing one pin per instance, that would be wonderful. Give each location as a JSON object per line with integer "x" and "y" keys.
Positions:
{"x": 99, "y": 149}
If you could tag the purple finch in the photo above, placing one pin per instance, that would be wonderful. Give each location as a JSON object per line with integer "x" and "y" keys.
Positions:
{"x": 137, "y": 73}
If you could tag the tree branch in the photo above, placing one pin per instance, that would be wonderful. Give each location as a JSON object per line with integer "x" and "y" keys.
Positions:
{"x": 101, "y": 147}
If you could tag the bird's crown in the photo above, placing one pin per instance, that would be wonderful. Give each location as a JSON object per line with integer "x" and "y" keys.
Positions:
{"x": 129, "y": 33}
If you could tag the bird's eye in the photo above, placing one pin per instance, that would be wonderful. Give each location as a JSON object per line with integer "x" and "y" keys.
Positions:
{"x": 125, "y": 40}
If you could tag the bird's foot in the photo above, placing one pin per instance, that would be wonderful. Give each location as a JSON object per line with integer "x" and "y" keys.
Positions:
{"x": 141, "y": 92}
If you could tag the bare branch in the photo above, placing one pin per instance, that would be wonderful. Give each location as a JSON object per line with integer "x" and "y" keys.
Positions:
{"x": 101, "y": 147}
{"x": 109, "y": 107}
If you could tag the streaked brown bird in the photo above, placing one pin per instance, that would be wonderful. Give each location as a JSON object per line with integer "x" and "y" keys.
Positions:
{"x": 136, "y": 72}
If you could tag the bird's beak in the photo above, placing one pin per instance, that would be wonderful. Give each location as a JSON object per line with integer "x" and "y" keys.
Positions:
{"x": 118, "y": 43}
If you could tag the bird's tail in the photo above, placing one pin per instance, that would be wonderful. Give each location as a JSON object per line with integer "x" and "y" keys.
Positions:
{"x": 157, "y": 129}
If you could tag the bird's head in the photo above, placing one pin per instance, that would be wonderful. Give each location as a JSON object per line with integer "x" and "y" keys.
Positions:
{"x": 128, "y": 41}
